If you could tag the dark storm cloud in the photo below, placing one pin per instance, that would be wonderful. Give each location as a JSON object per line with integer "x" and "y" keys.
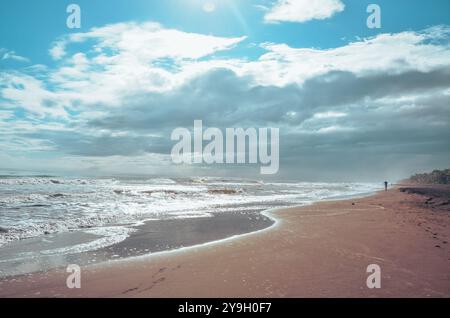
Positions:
{"x": 384, "y": 118}
{"x": 222, "y": 99}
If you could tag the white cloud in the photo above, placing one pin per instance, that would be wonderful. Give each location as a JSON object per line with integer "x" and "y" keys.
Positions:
{"x": 57, "y": 51}
{"x": 334, "y": 129}
{"x": 129, "y": 58}
{"x": 129, "y": 82}
{"x": 330, "y": 114}
{"x": 29, "y": 93}
{"x": 391, "y": 53}
{"x": 303, "y": 10}
{"x": 150, "y": 41}
{"x": 11, "y": 55}
{"x": 5, "y": 115}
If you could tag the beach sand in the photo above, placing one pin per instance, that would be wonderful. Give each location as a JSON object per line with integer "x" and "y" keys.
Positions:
{"x": 321, "y": 250}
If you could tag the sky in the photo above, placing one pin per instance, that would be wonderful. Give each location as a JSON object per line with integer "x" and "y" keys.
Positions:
{"x": 352, "y": 103}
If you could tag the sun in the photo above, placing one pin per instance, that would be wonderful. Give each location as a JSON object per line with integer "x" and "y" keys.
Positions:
{"x": 209, "y": 6}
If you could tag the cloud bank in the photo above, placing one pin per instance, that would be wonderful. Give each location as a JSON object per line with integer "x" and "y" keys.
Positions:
{"x": 373, "y": 108}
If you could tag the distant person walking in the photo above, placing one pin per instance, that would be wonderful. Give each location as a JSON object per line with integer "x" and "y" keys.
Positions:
{"x": 385, "y": 185}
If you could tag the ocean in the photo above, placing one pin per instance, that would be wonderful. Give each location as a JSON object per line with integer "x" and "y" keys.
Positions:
{"x": 48, "y": 222}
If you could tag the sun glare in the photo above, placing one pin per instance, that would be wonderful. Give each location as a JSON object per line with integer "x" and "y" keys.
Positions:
{"x": 209, "y": 6}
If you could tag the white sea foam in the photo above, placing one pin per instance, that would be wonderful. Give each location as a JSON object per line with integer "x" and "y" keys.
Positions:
{"x": 33, "y": 206}
{"x": 108, "y": 236}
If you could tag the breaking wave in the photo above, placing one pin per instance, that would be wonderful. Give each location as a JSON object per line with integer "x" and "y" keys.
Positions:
{"x": 35, "y": 206}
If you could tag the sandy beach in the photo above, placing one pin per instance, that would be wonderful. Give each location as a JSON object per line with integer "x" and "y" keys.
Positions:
{"x": 321, "y": 250}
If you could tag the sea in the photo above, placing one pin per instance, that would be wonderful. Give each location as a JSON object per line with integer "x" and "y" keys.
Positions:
{"x": 48, "y": 222}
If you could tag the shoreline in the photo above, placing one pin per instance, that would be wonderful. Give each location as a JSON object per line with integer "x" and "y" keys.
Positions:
{"x": 322, "y": 250}
{"x": 269, "y": 213}
{"x": 136, "y": 245}
{"x": 146, "y": 239}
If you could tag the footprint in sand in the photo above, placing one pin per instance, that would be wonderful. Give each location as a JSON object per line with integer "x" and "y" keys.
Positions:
{"x": 161, "y": 270}
{"x": 154, "y": 283}
{"x": 160, "y": 280}
{"x": 130, "y": 290}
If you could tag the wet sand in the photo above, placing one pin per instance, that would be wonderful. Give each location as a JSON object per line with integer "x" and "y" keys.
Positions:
{"x": 321, "y": 250}
{"x": 150, "y": 237}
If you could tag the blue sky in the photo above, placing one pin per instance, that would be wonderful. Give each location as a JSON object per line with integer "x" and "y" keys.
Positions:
{"x": 29, "y": 27}
{"x": 103, "y": 99}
